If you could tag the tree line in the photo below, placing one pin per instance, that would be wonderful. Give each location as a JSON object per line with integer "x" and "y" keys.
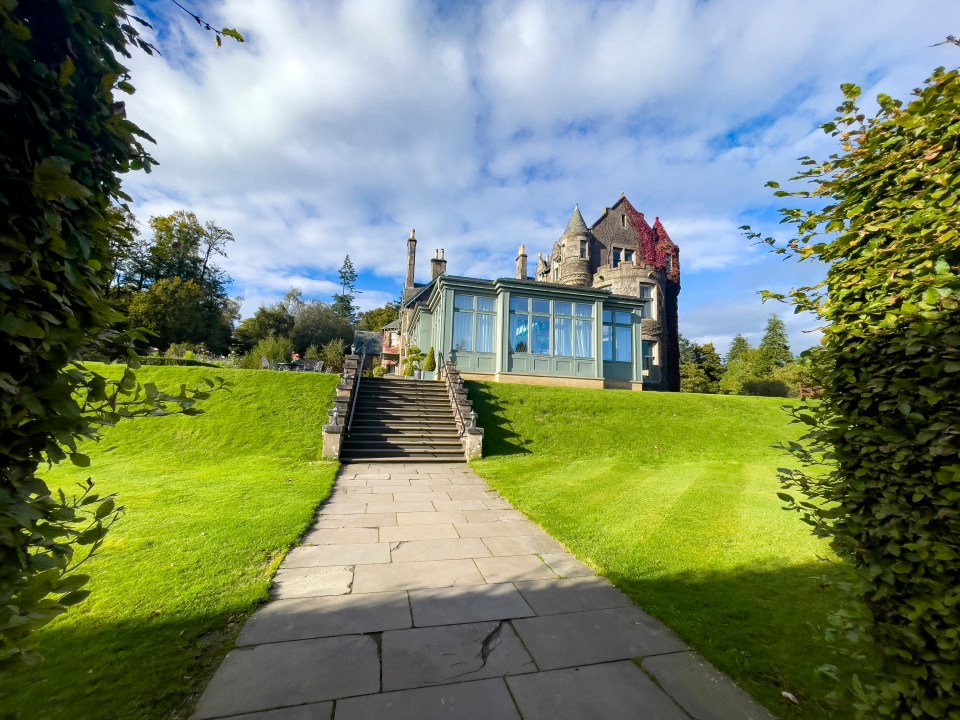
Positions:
{"x": 770, "y": 369}
{"x": 167, "y": 283}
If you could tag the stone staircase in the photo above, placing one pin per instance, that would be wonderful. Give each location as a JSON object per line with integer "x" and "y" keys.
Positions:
{"x": 402, "y": 420}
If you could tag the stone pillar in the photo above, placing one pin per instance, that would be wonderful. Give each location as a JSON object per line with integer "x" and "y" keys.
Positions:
{"x": 332, "y": 437}
{"x": 438, "y": 265}
{"x": 473, "y": 444}
{"x": 522, "y": 264}
{"x": 411, "y": 258}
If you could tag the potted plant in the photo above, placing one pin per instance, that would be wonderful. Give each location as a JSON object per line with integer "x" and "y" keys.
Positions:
{"x": 413, "y": 362}
{"x": 430, "y": 365}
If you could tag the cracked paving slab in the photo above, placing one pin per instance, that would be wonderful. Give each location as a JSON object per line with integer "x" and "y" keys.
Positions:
{"x": 452, "y": 653}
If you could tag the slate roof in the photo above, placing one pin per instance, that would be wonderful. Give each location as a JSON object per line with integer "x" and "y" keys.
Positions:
{"x": 576, "y": 226}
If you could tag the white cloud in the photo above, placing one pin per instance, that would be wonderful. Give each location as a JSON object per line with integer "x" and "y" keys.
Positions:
{"x": 339, "y": 126}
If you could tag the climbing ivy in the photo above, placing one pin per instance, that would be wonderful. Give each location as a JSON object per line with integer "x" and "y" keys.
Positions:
{"x": 880, "y": 473}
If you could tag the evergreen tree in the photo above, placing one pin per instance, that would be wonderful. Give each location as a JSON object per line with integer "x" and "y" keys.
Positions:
{"x": 774, "y": 347}
{"x": 739, "y": 347}
{"x": 343, "y": 303}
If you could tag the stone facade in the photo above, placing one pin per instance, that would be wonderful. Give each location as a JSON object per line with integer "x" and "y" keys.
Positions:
{"x": 622, "y": 253}
{"x": 601, "y": 309}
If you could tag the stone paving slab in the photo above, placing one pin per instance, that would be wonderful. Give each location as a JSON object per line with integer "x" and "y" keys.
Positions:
{"x": 417, "y": 532}
{"x": 482, "y": 700}
{"x": 421, "y": 594}
{"x": 471, "y": 603}
{"x": 522, "y": 545}
{"x": 514, "y": 567}
{"x": 451, "y": 653}
{"x": 552, "y": 597}
{"x": 611, "y": 691}
{"x": 701, "y": 689}
{"x": 335, "y": 536}
{"x": 367, "y": 520}
{"x": 443, "y": 549}
{"x": 342, "y": 554}
{"x": 304, "y": 618}
{"x": 312, "y": 582}
{"x": 500, "y": 528}
{"x": 411, "y": 576}
{"x": 313, "y": 711}
{"x": 594, "y": 636}
{"x": 430, "y": 518}
{"x": 263, "y": 677}
{"x": 566, "y": 565}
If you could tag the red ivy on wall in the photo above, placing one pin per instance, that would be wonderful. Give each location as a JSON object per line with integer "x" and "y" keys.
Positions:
{"x": 654, "y": 246}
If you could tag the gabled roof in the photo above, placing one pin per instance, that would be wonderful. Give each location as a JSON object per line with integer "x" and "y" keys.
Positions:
{"x": 395, "y": 325}
{"x": 576, "y": 226}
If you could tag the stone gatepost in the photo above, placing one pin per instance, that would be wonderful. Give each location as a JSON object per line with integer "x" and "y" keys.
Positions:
{"x": 473, "y": 443}
{"x": 332, "y": 438}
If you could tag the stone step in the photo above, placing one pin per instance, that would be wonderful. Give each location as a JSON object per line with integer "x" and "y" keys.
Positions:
{"x": 375, "y": 455}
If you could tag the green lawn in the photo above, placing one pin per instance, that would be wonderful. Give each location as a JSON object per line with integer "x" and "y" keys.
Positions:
{"x": 673, "y": 497}
{"x": 213, "y": 503}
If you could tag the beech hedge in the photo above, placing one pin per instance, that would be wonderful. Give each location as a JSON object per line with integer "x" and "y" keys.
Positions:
{"x": 880, "y": 472}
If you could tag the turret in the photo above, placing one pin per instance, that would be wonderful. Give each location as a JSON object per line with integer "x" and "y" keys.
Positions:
{"x": 574, "y": 256}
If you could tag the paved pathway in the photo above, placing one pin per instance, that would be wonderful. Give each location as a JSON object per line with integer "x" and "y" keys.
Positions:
{"x": 420, "y": 594}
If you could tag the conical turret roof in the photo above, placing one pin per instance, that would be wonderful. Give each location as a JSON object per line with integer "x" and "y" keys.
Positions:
{"x": 576, "y": 226}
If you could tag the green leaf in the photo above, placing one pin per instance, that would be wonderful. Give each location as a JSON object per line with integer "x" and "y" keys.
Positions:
{"x": 105, "y": 508}
{"x": 51, "y": 180}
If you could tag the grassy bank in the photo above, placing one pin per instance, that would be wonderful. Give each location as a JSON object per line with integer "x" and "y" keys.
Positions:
{"x": 673, "y": 498}
{"x": 212, "y": 504}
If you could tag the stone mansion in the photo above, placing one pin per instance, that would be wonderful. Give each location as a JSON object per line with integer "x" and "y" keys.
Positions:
{"x": 599, "y": 311}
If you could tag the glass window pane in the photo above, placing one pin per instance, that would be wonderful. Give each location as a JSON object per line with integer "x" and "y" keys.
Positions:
{"x": 540, "y": 335}
{"x": 562, "y": 336}
{"x": 562, "y": 308}
{"x": 628, "y": 256}
{"x": 541, "y": 306}
{"x": 622, "y": 318}
{"x": 616, "y": 257}
{"x": 607, "y": 316}
{"x": 462, "y": 302}
{"x": 607, "y": 343}
{"x": 463, "y": 331}
{"x": 647, "y": 354}
{"x": 485, "y": 303}
{"x": 642, "y": 311}
{"x": 584, "y": 310}
{"x": 584, "y": 338}
{"x": 485, "y": 333}
{"x": 518, "y": 333}
{"x": 623, "y": 344}
{"x": 519, "y": 303}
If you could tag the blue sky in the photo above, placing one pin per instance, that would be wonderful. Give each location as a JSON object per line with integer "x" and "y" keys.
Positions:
{"x": 339, "y": 126}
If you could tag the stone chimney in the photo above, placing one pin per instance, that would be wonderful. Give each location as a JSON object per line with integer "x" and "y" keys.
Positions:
{"x": 411, "y": 258}
{"x": 522, "y": 264}
{"x": 438, "y": 265}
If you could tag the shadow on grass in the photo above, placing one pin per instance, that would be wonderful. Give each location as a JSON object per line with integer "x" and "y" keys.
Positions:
{"x": 765, "y": 628}
{"x": 499, "y": 437}
{"x": 148, "y": 668}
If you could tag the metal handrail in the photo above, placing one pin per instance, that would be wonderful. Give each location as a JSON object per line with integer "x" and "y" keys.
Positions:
{"x": 453, "y": 400}
{"x": 356, "y": 387}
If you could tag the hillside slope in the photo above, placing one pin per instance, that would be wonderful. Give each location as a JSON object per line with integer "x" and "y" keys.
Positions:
{"x": 673, "y": 497}
{"x": 212, "y": 503}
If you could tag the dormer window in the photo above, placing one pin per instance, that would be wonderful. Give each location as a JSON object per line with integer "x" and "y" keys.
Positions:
{"x": 583, "y": 249}
{"x": 628, "y": 256}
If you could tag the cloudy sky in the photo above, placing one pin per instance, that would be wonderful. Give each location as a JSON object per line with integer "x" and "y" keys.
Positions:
{"x": 339, "y": 126}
